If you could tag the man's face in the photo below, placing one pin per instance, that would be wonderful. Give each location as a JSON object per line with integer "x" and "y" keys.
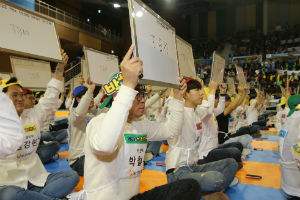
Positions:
{"x": 15, "y": 93}
{"x": 194, "y": 97}
{"x": 29, "y": 101}
{"x": 138, "y": 105}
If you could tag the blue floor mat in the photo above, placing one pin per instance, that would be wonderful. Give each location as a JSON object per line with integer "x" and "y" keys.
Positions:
{"x": 250, "y": 192}
{"x": 271, "y": 138}
{"x": 264, "y": 156}
{"x": 60, "y": 165}
{"x": 160, "y": 158}
{"x": 63, "y": 147}
{"x": 151, "y": 165}
{"x": 60, "y": 118}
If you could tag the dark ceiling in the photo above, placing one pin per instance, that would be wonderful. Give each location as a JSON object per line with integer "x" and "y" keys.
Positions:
{"x": 177, "y": 7}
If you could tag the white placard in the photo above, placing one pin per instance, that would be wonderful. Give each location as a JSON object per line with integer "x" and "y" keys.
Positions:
{"x": 217, "y": 71}
{"x": 27, "y": 34}
{"x": 185, "y": 58}
{"x": 101, "y": 65}
{"x": 155, "y": 44}
{"x": 241, "y": 75}
{"x": 31, "y": 73}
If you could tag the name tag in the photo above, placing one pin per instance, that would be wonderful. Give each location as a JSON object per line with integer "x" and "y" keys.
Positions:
{"x": 30, "y": 129}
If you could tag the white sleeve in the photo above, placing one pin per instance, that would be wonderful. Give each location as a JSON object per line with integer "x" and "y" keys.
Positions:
{"x": 11, "y": 129}
{"x": 205, "y": 111}
{"x": 151, "y": 101}
{"x": 171, "y": 127}
{"x": 82, "y": 109}
{"x": 252, "y": 105}
{"x": 48, "y": 103}
{"x": 98, "y": 98}
{"x": 105, "y": 130}
{"x": 68, "y": 103}
{"x": 221, "y": 106}
{"x": 59, "y": 103}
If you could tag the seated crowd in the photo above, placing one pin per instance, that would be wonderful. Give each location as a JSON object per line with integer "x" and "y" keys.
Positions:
{"x": 208, "y": 131}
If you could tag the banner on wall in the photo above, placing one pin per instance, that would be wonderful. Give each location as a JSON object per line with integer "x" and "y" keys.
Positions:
{"x": 280, "y": 55}
{"x": 281, "y": 72}
{"x": 252, "y": 58}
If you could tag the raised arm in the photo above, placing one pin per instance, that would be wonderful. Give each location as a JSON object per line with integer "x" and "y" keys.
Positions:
{"x": 97, "y": 100}
{"x": 221, "y": 105}
{"x": 236, "y": 102}
{"x": 173, "y": 125}
{"x": 82, "y": 109}
{"x": 105, "y": 131}
{"x": 48, "y": 103}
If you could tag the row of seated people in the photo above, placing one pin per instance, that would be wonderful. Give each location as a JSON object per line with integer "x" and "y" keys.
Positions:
{"x": 107, "y": 144}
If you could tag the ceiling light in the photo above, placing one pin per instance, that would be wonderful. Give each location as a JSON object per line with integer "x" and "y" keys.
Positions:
{"x": 99, "y": 11}
{"x": 116, "y": 5}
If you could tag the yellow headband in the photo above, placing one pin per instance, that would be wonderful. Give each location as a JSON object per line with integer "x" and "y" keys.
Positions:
{"x": 4, "y": 85}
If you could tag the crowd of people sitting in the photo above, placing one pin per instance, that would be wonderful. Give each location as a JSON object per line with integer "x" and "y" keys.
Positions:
{"x": 207, "y": 128}
{"x": 268, "y": 72}
{"x": 283, "y": 40}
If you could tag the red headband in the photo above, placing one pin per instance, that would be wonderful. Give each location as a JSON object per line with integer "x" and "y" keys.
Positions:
{"x": 188, "y": 80}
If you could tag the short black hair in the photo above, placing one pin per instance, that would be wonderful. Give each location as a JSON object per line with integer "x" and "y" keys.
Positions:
{"x": 217, "y": 94}
{"x": 79, "y": 95}
{"x": 193, "y": 84}
{"x": 140, "y": 88}
{"x": 11, "y": 80}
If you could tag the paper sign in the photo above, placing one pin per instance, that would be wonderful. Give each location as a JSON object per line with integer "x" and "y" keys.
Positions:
{"x": 113, "y": 85}
{"x": 231, "y": 86}
{"x": 240, "y": 73}
{"x": 217, "y": 71}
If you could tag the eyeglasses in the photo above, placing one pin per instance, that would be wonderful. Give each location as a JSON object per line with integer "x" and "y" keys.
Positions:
{"x": 141, "y": 96}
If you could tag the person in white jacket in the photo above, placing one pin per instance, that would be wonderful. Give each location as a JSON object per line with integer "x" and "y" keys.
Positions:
{"x": 23, "y": 175}
{"x": 209, "y": 148}
{"x": 11, "y": 129}
{"x": 116, "y": 141}
{"x": 252, "y": 112}
{"x": 281, "y": 116}
{"x": 289, "y": 157}
{"x": 79, "y": 118}
{"x": 182, "y": 156}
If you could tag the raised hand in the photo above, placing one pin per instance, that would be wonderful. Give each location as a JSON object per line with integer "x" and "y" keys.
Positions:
{"x": 223, "y": 88}
{"x": 178, "y": 93}
{"x": 131, "y": 68}
{"x": 90, "y": 85}
{"x": 60, "y": 67}
{"x": 213, "y": 87}
{"x": 241, "y": 89}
